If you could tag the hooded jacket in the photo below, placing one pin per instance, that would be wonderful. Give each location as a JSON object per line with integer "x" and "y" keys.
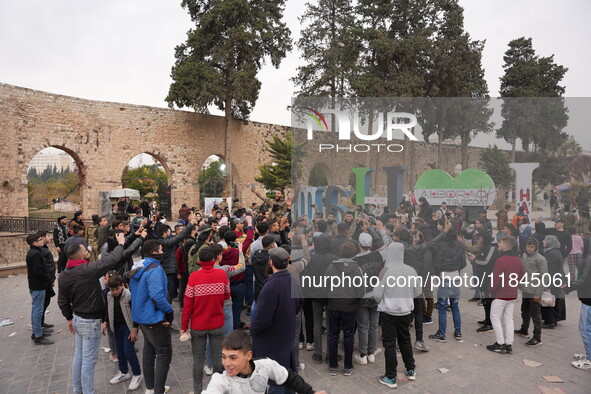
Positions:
{"x": 450, "y": 256}
{"x": 169, "y": 245}
{"x": 555, "y": 260}
{"x": 260, "y": 263}
{"x": 316, "y": 269}
{"x": 344, "y": 297}
{"x": 486, "y": 257}
{"x": 60, "y": 235}
{"x": 397, "y": 300}
{"x": 149, "y": 291}
{"x": 535, "y": 265}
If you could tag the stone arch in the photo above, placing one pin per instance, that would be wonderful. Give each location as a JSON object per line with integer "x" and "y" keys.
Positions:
{"x": 81, "y": 166}
{"x": 160, "y": 158}
{"x": 320, "y": 166}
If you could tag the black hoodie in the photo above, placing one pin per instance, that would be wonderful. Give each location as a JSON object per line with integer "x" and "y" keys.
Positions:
{"x": 346, "y": 296}
{"x": 316, "y": 269}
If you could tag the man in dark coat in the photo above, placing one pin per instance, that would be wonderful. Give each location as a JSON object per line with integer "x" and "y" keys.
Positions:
{"x": 316, "y": 270}
{"x": 39, "y": 280}
{"x": 273, "y": 325}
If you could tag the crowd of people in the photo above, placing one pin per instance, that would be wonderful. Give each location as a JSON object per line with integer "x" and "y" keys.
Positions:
{"x": 256, "y": 285}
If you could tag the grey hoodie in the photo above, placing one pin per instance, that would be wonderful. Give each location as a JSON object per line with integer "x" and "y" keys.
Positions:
{"x": 394, "y": 300}
{"x": 533, "y": 264}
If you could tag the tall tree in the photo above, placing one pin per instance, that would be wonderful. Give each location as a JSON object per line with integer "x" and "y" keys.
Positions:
{"x": 533, "y": 108}
{"x": 219, "y": 62}
{"x": 496, "y": 164}
{"x": 456, "y": 72}
{"x": 329, "y": 48}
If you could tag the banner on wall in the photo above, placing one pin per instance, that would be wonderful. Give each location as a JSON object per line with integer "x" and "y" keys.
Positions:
{"x": 524, "y": 184}
{"x": 471, "y": 187}
{"x": 211, "y": 201}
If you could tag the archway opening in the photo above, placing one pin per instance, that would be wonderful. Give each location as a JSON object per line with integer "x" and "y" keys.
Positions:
{"x": 147, "y": 174}
{"x": 211, "y": 181}
{"x": 54, "y": 179}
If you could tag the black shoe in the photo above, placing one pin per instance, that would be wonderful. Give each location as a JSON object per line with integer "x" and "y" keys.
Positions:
{"x": 484, "y": 329}
{"x": 509, "y": 349}
{"x": 534, "y": 342}
{"x": 47, "y": 325}
{"x": 317, "y": 358}
{"x": 458, "y": 336}
{"x": 549, "y": 326}
{"x": 521, "y": 333}
{"x": 497, "y": 348}
{"x": 43, "y": 341}
{"x": 482, "y": 322}
{"x": 47, "y": 330}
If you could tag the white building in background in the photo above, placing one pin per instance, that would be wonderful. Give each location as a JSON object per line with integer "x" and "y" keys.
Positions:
{"x": 60, "y": 160}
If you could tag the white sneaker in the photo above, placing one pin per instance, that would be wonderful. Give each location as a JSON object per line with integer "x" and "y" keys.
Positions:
{"x": 301, "y": 346}
{"x": 136, "y": 381}
{"x": 579, "y": 356}
{"x": 151, "y": 391}
{"x": 310, "y": 347}
{"x": 360, "y": 360}
{"x": 113, "y": 358}
{"x": 208, "y": 371}
{"x": 378, "y": 350}
{"x": 371, "y": 358}
{"x": 120, "y": 377}
{"x": 582, "y": 364}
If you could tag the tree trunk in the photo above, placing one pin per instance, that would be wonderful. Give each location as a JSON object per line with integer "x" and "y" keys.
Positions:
{"x": 464, "y": 152}
{"x": 513, "y": 148}
{"x": 228, "y": 179}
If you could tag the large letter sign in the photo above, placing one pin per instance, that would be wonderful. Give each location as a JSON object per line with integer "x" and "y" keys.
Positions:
{"x": 523, "y": 184}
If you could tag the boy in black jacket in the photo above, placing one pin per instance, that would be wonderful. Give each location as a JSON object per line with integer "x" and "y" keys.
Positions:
{"x": 39, "y": 280}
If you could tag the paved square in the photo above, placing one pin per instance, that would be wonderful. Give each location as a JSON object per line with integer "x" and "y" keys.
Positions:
{"x": 26, "y": 368}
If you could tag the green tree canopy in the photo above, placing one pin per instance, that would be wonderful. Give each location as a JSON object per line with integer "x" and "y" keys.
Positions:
{"x": 533, "y": 111}
{"x": 286, "y": 162}
{"x": 495, "y": 163}
{"x": 219, "y": 62}
{"x": 146, "y": 179}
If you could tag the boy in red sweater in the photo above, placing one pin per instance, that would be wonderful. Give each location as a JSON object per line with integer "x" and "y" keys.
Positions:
{"x": 206, "y": 292}
{"x": 506, "y": 276}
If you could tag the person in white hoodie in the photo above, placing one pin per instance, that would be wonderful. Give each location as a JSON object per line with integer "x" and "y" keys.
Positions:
{"x": 399, "y": 285}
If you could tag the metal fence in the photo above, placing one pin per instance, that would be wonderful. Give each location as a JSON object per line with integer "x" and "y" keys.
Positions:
{"x": 24, "y": 224}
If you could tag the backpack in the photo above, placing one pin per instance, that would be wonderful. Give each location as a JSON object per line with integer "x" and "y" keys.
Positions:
{"x": 193, "y": 260}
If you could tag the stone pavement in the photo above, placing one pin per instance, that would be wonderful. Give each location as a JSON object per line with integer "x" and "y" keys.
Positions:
{"x": 26, "y": 368}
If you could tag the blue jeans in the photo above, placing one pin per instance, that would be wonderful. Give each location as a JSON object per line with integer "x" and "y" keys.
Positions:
{"x": 249, "y": 296}
{"x": 453, "y": 294}
{"x": 88, "y": 339}
{"x": 585, "y": 328}
{"x": 238, "y": 292}
{"x": 126, "y": 351}
{"x": 228, "y": 325}
{"x": 38, "y": 298}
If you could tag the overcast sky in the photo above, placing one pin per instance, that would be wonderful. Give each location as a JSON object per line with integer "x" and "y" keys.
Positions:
{"x": 123, "y": 50}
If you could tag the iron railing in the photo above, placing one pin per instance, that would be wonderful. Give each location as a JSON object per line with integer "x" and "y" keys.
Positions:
{"x": 25, "y": 224}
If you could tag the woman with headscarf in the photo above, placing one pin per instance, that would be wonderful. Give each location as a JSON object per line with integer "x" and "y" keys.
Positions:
{"x": 551, "y": 315}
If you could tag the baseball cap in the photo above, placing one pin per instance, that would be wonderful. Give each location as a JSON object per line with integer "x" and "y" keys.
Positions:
{"x": 558, "y": 220}
{"x": 365, "y": 240}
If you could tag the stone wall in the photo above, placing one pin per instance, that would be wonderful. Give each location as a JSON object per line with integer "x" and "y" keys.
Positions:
{"x": 14, "y": 249}
{"x": 103, "y": 136}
